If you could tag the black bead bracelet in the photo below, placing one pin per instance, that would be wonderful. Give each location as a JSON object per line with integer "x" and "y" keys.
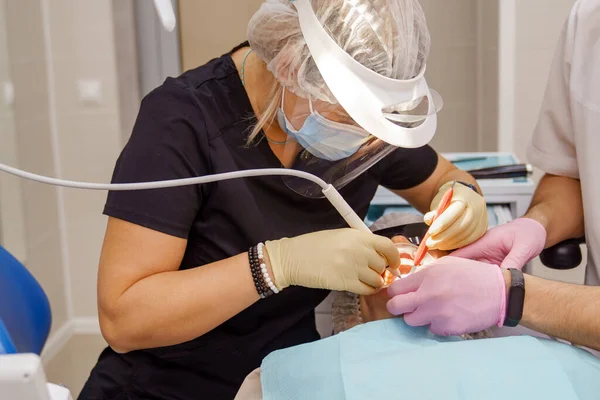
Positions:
{"x": 262, "y": 287}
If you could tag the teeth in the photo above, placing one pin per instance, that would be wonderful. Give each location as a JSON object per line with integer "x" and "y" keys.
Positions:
{"x": 410, "y": 250}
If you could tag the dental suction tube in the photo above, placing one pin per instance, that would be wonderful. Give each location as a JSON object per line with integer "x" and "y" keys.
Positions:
{"x": 334, "y": 197}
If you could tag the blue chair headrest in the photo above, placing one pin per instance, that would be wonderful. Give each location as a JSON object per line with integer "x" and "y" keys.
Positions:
{"x": 6, "y": 344}
{"x": 25, "y": 315}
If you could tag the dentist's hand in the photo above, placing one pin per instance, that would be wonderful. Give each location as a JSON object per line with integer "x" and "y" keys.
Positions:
{"x": 510, "y": 245}
{"x": 343, "y": 260}
{"x": 453, "y": 296}
{"x": 464, "y": 221}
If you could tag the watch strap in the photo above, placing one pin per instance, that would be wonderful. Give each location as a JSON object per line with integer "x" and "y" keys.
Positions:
{"x": 516, "y": 298}
{"x": 469, "y": 185}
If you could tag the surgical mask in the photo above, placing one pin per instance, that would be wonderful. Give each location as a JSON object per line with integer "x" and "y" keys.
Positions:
{"x": 323, "y": 138}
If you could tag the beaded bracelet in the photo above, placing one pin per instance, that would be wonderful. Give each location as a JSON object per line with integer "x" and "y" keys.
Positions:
{"x": 259, "y": 283}
{"x": 262, "y": 281}
{"x": 263, "y": 269}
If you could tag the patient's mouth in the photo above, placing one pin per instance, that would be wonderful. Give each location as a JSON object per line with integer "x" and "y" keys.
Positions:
{"x": 407, "y": 252}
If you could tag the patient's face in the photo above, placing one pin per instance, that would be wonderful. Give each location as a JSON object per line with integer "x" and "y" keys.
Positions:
{"x": 373, "y": 308}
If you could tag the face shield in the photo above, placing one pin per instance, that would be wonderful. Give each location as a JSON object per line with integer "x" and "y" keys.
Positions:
{"x": 375, "y": 114}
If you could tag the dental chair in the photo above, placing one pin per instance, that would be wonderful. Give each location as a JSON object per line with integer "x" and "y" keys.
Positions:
{"x": 25, "y": 320}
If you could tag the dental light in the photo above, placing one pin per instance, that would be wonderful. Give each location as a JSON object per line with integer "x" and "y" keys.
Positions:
{"x": 334, "y": 197}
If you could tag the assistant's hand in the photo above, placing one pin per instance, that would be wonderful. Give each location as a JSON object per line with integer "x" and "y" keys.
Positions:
{"x": 343, "y": 260}
{"x": 453, "y": 295}
{"x": 511, "y": 245}
{"x": 464, "y": 221}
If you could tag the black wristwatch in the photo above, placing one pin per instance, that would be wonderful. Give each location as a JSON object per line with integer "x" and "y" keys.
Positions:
{"x": 469, "y": 186}
{"x": 515, "y": 299}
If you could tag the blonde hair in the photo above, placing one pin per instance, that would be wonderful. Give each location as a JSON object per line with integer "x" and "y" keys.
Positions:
{"x": 266, "y": 117}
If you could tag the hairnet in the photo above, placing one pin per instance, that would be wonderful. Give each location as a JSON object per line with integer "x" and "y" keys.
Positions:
{"x": 389, "y": 37}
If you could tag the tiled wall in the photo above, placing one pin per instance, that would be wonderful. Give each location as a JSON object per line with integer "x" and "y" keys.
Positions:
{"x": 83, "y": 46}
{"x": 12, "y": 226}
{"x": 32, "y": 120}
{"x": 463, "y": 67}
{"x": 54, "y": 45}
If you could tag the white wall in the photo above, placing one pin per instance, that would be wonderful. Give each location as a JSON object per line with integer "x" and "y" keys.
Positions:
{"x": 41, "y": 204}
{"x": 462, "y": 67}
{"x": 12, "y": 225}
{"x": 88, "y": 135}
{"x": 529, "y": 31}
{"x": 54, "y": 45}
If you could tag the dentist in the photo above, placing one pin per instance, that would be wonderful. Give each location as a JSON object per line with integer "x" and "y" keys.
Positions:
{"x": 198, "y": 284}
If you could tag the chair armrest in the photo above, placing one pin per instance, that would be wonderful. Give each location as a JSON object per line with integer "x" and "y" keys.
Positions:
{"x": 564, "y": 255}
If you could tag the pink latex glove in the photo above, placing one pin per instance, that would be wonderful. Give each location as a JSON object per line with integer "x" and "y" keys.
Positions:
{"x": 453, "y": 296}
{"x": 511, "y": 245}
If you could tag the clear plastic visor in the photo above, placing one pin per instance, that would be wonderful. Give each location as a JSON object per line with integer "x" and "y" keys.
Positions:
{"x": 322, "y": 139}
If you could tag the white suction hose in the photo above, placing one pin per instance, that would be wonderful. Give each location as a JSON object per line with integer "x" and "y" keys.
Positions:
{"x": 334, "y": 197}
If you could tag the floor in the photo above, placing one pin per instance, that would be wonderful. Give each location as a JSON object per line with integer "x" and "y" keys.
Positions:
{"x": 71, "y": 367}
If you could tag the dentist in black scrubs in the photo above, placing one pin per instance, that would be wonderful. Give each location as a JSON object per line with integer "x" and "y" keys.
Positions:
{"x": 198, "y": 284}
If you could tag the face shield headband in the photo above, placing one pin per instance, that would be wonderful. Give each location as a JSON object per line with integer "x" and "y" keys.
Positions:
{"x": 399, "y": 112}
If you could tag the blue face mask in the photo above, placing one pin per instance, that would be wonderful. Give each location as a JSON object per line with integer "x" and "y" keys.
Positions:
{"x": 323, "y": 138}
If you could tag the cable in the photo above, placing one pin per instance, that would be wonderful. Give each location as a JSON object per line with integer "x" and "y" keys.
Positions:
{"x": 336, "y": 199}
{"x": 166, "y": 183}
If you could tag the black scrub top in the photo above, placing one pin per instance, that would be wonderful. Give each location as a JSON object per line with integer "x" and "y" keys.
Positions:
{"x": 198, "y": 124}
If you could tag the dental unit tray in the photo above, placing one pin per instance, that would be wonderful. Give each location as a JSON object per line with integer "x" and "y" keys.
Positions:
{"x": 503, "y": 172}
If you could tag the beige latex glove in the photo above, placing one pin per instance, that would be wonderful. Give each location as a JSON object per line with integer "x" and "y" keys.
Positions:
{"x": 464, "y": 221}
{"x": 343, "y": 260}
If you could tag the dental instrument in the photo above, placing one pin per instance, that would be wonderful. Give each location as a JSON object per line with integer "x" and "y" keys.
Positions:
{"x": 503, "y": 172}
{"x": 444, "y": 203}
{"x": 468, "y": 159}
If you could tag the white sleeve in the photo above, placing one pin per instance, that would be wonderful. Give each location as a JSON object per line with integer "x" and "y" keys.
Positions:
{"x": 553, "y": 146}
